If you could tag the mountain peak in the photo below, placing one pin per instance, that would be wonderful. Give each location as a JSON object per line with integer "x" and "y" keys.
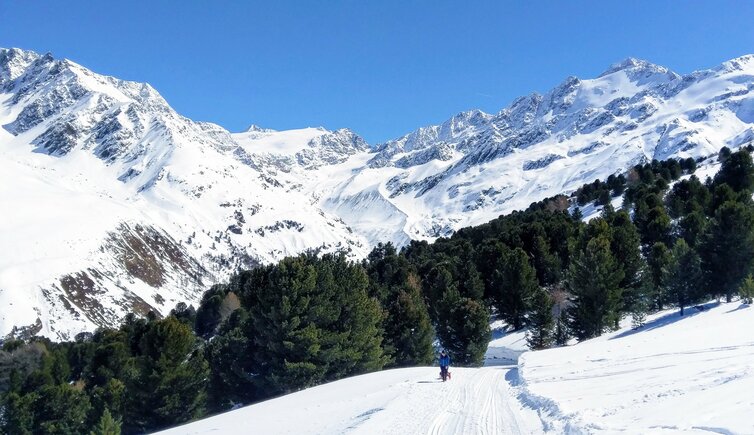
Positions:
{"x": 253, "y": 128}
{"x": 13, "y": 62}
{"x": 739, "y": 63}
{"x": 632, "y": 63}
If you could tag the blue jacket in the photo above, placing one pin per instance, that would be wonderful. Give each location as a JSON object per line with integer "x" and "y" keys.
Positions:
{"x": 444, "y": 361}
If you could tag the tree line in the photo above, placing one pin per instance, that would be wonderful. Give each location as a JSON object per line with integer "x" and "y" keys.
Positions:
{"x": 310, "y": 319}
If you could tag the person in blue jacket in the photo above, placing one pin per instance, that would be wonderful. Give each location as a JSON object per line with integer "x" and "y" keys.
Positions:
{"x": 444, "y": 364}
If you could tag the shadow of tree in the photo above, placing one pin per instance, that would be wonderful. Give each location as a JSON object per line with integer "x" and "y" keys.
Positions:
{"x": 667, "y": 319}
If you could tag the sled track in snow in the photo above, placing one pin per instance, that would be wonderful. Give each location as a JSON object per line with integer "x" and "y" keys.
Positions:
{"x": 399, "y": 402}
{"x": 479, "y": 402}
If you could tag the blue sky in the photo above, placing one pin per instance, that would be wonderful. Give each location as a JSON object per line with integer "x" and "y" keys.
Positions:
{"x": 381, "y": 68}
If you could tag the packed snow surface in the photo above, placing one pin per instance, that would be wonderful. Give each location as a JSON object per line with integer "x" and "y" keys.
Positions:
{"x": 401, "y": 401}
{"x": 690, "y": 374}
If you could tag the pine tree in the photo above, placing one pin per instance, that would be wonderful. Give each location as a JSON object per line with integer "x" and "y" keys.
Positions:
{"x": 684, "y": 274}
{"x": 625, "y": 246}
{"x": 438, "y": 282}
{"x": 168, "y": 385}
{"x": 106, "y": 397}
{"x": 594, "y": 281}
{"x": 692, "y": 228}
{"x": 562, "y": 331}
{"x": 17, "y": 415}
{"x": 546, "y": 264}
{"x": 561, "y": 302}
{"x": 229, "y": 358}
{"x": 313, "y": 322}
{"x": 728, "y": 248}
{"x": 541, "y": 332}
{"x": 642, "y": 301}
{"x": 107, "y": 425}
{"x": 60, "y": 409}
{"x": 737, "y": 171}
{"x": 516, "y": 283}
{"x": 470, "y": 283}
{"x": 659, "y": 258}
{"x": 463, "y": 328}
{"x": 408, "y": 329}
{"x": 210, "y": 314}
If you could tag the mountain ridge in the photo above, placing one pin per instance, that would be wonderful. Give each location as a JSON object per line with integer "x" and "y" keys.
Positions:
{"x": 91, "y": 162}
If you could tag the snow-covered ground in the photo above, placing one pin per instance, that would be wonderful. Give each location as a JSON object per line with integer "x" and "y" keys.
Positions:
{"x": 401, "y": 401}
{"x": 691, "y": 374}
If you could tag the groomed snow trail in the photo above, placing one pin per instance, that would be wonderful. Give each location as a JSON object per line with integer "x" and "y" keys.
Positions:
{"x": 401, "y": 401}
{"x": 480, "y": 402}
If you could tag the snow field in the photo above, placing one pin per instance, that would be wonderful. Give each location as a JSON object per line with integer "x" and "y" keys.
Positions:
{"x": 400, "y": 401}
{"x": 690, "y": 374}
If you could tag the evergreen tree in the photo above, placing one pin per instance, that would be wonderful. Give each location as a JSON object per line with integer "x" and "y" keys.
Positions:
{"x": 546, "y": 264}
{"x": 728, "y": 248}
{"x": 408, "y": 330}
{"x": 17, "y": 416}
{"x": 684, "y": 275}
{"x": 688, "y": 196}
{"x": 516, "y": 283}
{"x": 210, "y": 313}
{"x": 470, "y": 284}
{"x": 594, "y": 281}
{"x": 107, "y": 425}
{"x": 625, "y": 246}
{"x": 737, "y": 171}
{"x": 721, "y": 194}
{"x": 313, "y": 322}
{"x": 657, "y": 227}
{"x": 659, "y": 258}
{"x": 112, "y": 395}
{"x": 642, "y": 301}
{"x": 60, "y": 409}
{"x": 561, "y": 304}
{"x": 692, "y": 227}
{"x": 110, "y": 358}
{"x": 184, "y": 313}
{"x": 541, "y": 333}
{"x": 168, "y": 385}
{"x": 463, "y": 328}
{"x": 439, "y": 281}
{"x": 230, "y": 362}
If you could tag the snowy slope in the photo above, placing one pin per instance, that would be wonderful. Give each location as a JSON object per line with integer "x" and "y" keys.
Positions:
{"x": 675, "y": 375}
{"x": 401, "y": 401}
{"x": 114, "y": 202}
{"x": 691, "y": 374}
{"x": 476, "y": 166}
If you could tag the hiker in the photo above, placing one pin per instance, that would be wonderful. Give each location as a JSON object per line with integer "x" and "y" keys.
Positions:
{"x": 444, "y": 364}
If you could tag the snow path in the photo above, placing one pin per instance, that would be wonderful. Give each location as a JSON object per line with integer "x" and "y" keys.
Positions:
{"x": 400, "y": 401}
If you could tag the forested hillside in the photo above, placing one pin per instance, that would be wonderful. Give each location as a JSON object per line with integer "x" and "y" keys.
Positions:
{"x": 310, "y": 319}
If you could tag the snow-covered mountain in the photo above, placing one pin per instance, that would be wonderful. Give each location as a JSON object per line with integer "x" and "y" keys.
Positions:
{"x": 476, "y": 166}
{"x": 113, "y": 202}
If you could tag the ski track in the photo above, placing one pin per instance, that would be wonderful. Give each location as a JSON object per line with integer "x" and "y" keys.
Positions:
{"x": 474, "y": 401}
{"x": 394, "y": 402}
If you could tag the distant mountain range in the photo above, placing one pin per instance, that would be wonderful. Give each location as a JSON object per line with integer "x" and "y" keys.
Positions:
{"x": 113, "y": 202}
